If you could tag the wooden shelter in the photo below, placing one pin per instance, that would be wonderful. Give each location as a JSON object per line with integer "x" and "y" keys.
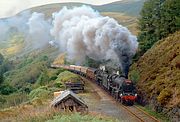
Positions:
{"x": 75, "y": 86}
{"x": 69, "y": 101}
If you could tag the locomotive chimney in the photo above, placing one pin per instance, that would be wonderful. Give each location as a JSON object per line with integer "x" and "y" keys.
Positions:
{"x": 125, "y": 70}
{"x": 124, "y": 64}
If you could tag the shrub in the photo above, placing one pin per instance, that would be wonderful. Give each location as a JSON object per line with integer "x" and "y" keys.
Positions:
{"x": 53, "y": 78}
{"x": 164, "y": 96}
{"x": 60, "y": 71}
{"x": 26, "y": 89}
{"x": 13, "y": 99}
{"x": 43, "y": 79}
{"x": 2, "y": 100}
{"x": 1, "y": 58}
{"x": 40, "y": 92}
{"x": 89, "y": 62}
{"x": 6, "y": 89}
{"x": 58, "y": 84}
{"x": 134, "y": 76}
{"x": 68, "y": 76}
{"x": 1, "y": 78}
{"x": 36, "y": 101}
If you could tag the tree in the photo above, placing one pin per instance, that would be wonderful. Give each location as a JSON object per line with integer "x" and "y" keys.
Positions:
{"x": 5, "y": 65}
{"x": 158, "y": 19}
{"x": 7, "y": 89}
{"x": 170, "y": 17}
{"x": 89, "y": 62}
{"x": 1, "y": 70}
{"x": 1, "y": 58}
{"x": 1, "y": 78}
{"x": 43, "y": 78}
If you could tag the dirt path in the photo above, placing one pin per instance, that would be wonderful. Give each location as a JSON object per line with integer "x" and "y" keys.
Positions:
{"x": 98, "y": 101}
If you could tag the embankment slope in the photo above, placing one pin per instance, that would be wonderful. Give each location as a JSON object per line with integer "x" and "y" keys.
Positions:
{"x": 159, "y": 76}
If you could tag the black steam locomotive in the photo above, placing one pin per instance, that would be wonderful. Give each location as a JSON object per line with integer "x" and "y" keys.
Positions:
{"x": 118, "y": 86}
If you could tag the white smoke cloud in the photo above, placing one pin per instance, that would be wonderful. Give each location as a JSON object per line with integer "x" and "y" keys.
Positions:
{"x": 34, "y": 27}
{"x": 15, "y": 22}
{"x": 82, "y": 32}
{"x": 39, "y": 30}
{"x": 19, "y": 21}
{"x": 3, "y": 30}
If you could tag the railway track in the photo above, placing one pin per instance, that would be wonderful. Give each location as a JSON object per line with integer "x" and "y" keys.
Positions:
{"x": 141, "y": 115}
{"x": 134, "y": 111}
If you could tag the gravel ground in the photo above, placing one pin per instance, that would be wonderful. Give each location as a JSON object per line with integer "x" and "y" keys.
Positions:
{"x": 100, "y": 102}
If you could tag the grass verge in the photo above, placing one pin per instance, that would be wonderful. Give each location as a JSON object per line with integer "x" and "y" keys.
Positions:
{"x": 159, "y": 116}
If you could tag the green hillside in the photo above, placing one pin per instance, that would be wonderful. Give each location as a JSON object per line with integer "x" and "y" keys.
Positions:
{"x": 128, "y": 7}
{"x": 158, "y": 71}
{"x": 13, "y": 46}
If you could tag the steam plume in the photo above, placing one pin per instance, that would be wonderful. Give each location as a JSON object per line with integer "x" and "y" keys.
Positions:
{"x": 39, "y": 30}
{"x": 34, "y": 27}
{"x": 82, "y": 32}
{"x": 15, "y": 23}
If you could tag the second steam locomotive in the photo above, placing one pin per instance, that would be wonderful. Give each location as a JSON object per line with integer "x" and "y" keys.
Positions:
{"x": 118, "y": 86}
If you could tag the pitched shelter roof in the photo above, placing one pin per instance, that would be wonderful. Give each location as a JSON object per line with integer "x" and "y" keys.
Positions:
{"x": 64, "y": 95}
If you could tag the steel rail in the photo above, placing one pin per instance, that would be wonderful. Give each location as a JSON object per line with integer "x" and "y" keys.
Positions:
{"x": 147, "y": 114}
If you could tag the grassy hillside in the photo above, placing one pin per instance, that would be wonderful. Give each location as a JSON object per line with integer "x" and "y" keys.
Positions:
{"x": 12, "y": 46}
{"x": 67, "y": 76}
{"x": 158, "y": 72}
{"x": 128, "y": 7}
{"x": 125, "y": 20}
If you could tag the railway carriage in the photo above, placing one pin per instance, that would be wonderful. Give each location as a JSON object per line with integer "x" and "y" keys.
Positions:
{"x": 66, "y": 67}
{"x": 71, "y": 68}
{"x": 84, "y": 71}
{"x": 98, "y": 75}
{"x": 90, "y": 73}
{"x": 77, "y": 69}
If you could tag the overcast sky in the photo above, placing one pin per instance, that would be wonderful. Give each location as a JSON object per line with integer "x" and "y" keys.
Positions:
{"x": 11, "y": 7}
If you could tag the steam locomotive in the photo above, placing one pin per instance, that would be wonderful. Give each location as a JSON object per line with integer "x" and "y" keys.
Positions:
{"x": 118, "y": 86}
